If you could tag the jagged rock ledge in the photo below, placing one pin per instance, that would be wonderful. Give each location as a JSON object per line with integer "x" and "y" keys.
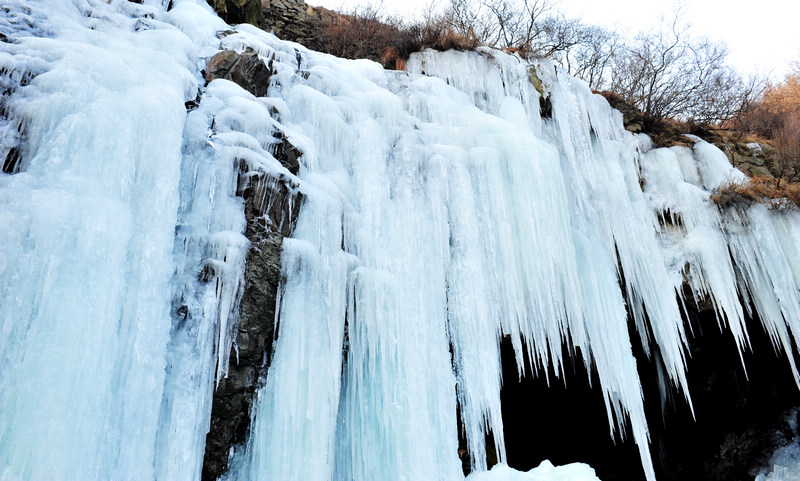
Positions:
{"x": 271, "y": 208}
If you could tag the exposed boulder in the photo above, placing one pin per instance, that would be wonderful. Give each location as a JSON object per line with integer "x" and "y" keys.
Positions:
{"x": 245, "y": 69}
{"x": 289, "y": 19}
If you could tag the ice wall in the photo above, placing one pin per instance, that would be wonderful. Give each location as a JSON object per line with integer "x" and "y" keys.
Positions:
{"x": 441, "y": 213}
{"x": 447, "y": 219}
{"x": 449, "y": 214}
{"x": 116, "y": 201}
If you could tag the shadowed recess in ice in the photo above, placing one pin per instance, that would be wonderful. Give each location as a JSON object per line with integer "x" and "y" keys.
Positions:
{"x": 441, "y": 213}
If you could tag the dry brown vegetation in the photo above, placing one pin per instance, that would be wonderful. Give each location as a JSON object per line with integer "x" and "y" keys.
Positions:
{"x": 776, "y": 117}
{"x": 764, "y": 116}
{"x": 366, "y": 33}
{"x": 358, "y": 34}
{"x": 764, "y": 190}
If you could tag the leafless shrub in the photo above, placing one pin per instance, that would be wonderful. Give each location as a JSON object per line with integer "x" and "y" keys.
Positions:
{"x": 764, "y": 190}
{"x": 671, "y": 74}
{"x": 591, "y": 59}
{"x": 775, "y": 115}
{"x": 440, "y": 31}
{"x": 363, "y": 32}
{"x": 787, "y": 144}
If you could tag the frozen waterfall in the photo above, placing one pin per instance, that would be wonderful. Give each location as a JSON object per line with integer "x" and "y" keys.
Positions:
{"x": 441, "y": 214}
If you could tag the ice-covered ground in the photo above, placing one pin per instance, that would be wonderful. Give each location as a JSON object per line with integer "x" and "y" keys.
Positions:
{"x": 544, "y": 472}
{"x": 784, "y": 464}
{"x": 441, "y": 212}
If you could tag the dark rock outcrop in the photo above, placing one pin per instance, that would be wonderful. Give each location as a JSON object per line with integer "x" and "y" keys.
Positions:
{"x": 289, "y": 19}
{"x": 239, "y": 11}
{"x": 740, "y": 417}
{"x": 271, "y": 207}
{"x": 292, "y": 20}
{"x": 245, "y": 69}
{"x": 545, "y": 104}
{"x": 632, "y": 117}
{"x": 752, "y": 158}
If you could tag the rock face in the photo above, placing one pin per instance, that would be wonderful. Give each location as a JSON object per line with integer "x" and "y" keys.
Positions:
{"x": 752, "y": 158}
{"x": 632, "y": 118}
{"x": 740, "y": 417}
{"x": 271, "y": 207}
{"x": 289, "y": 19}
{"x": 545, "y": 104}
{"x": 752, "y": 155}
{"x": 239, "y": 11}
{"x": 292, "y": 20}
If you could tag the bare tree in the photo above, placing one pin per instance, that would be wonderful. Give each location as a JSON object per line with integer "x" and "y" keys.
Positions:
{"x": 472, "y": 18}
{"x": 672, "y": 74}
{"x": 511, "y": 24}
{"x": 787, "y": 145}
{"x": 523, "y": 24}
{"x": 589, "y": 56}
{"x": 764, "y": 115}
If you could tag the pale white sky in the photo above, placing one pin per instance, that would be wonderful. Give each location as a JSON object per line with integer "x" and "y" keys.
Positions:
{"x": 762, "y": 35}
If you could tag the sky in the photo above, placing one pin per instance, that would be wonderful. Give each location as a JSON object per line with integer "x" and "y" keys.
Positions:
{"x": 763, "y": 36}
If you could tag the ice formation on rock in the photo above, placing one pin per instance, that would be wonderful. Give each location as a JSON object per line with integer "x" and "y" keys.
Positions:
{"x": 441, "y": 213}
